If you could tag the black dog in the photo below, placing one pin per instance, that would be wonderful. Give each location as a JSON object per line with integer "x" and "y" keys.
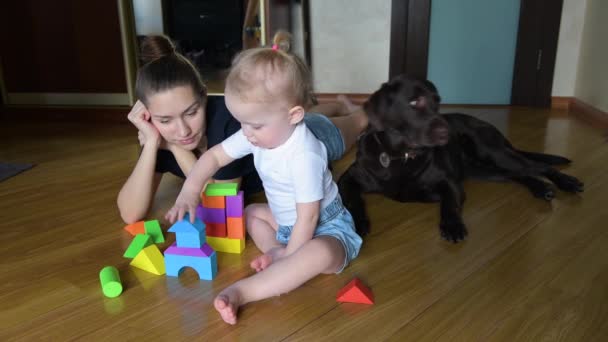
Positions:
{"x": 411, "y": 153}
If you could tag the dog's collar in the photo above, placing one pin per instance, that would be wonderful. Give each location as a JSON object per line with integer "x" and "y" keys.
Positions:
{"x": 385, "y": 158}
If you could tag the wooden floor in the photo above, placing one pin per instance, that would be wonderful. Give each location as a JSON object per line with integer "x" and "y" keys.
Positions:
{"x": 530, "y": 270}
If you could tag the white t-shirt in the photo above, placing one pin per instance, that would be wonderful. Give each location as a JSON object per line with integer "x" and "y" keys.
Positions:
{"x": 295, "y": 172}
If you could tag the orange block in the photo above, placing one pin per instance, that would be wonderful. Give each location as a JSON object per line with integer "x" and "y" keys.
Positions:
{"x": 215, "y": 229}
{"x": 355, "y": 292}
{"x": 136, "y": 228}
{"x": 236, "y": 227}
{"x": 217, "y": 202}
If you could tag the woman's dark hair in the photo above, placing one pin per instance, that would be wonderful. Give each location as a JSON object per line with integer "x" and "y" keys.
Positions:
{"x": 163, "y": 68}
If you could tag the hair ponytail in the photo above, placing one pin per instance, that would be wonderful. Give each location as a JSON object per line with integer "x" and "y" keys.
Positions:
{"x": 155, "y": 47}
{"x": 253, "y": 69}
{"x": 163, "y": 68}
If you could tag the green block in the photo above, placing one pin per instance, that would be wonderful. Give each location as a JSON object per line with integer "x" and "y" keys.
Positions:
{"x": 153, "y": 229}
{"x": 139, "y": 242}
{"x": 222, "y": 189}
{"x": 110, "y": 281}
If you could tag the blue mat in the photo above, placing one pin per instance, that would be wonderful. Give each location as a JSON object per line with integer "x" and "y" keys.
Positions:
{"x": 8, "y": 170}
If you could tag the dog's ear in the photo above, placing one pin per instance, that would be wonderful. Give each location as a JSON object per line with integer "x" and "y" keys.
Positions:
{"x": 372, "y": 114}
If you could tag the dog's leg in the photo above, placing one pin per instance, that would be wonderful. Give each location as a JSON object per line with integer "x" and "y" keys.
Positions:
{"x": 563, "y": 181}
{"x": 452, "y": 199}
{"x": 351, "y": 191}
{"x": 537, "y": 187}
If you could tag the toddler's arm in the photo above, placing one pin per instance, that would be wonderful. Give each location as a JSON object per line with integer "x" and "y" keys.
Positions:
{"x": 304, "y": 229}
{"x": 206, "y": 166}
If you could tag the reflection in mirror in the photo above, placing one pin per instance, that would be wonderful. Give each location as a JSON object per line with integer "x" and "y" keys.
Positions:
{"x": 211, "y": 32}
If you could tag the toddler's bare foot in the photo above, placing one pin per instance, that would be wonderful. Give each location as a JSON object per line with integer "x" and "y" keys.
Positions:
{"x": 261, "y": 262}
{"x": 227, "y": 304}
{"x": 348, "y": 104}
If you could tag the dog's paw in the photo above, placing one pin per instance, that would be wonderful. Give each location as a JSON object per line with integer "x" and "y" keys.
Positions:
{"x": 571, "y": 184}
{"x": 453, "y": 230}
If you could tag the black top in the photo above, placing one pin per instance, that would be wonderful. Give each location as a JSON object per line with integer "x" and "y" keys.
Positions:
{"x": 220, "y": 125}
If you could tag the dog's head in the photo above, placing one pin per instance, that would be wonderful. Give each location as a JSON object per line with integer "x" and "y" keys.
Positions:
{"x": 407, "y": 110}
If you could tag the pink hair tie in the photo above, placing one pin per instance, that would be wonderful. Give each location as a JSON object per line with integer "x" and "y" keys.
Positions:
{"x": 275, "y": 47}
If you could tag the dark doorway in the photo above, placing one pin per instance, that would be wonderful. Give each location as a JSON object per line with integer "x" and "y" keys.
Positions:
{"x": 409, "y": 45}
{"x": 537, "y": 37}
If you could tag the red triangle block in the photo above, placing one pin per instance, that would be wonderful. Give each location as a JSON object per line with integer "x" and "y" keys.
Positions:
{"x": 355, "y": 292}
{"x": 136, "y": 228}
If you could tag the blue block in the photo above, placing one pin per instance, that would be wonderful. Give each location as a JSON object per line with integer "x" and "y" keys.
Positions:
{"x": 189, "y": 235}
{"x": 206, "y": 267}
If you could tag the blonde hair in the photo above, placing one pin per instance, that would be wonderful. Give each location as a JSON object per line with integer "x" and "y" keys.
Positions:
{"x": 270, "y": 74}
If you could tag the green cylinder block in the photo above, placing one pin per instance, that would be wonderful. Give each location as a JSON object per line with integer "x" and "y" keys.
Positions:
{"x": 110, "y": 281}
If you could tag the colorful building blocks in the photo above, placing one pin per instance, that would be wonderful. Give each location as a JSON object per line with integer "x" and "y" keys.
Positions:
{"x": 190, "y": 250}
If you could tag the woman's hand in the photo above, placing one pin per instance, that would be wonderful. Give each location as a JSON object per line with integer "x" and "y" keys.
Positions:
{"x": 140, "y": 118}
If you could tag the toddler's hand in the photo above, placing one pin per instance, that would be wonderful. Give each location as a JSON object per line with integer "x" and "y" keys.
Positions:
{"x": 186, "y": 203}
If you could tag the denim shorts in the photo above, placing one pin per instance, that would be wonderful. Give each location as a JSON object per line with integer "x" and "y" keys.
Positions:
{"x": 327, "y": 133}
{"x": 334, "y": 221}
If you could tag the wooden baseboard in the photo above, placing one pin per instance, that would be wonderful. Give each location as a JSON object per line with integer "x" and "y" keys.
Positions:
{"x": 357, "y": 99}
{"x": 561, "y": 102}
{"x": 588, "y": 113}
{"x": 62, "y": 114}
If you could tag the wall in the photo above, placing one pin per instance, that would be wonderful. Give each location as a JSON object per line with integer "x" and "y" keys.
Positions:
{"x": 148, "y": 17}
{"x": 350, "y": 42}
{"x": 568, "y": 47}
{"x": 472, "y": 50}
{"x": 592, "y": 73}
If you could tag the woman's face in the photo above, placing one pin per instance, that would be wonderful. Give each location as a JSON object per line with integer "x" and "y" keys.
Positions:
{"x": 179, "y": 116}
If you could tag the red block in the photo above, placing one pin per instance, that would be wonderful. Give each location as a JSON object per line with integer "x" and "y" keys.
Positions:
{"x": 136, "y": 228}
{"x": 216, "y": 229}
{"x": 355, "y": 292}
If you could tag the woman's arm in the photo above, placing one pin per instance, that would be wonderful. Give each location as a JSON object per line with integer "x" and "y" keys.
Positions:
{"x": 135, "y": 197}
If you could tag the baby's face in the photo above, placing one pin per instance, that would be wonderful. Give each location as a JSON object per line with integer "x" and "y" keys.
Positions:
{"x": 265, "y": 125}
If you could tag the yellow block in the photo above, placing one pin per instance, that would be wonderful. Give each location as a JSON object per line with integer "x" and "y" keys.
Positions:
{"x": 226, "y": 245}
{"x": 150, "y": 259}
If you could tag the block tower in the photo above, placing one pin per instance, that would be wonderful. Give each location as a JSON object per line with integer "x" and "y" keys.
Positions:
{"x": 190, "y": 250}
{"x": 222, "y": 213}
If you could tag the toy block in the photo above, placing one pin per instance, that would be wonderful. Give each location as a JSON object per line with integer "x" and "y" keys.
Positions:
{"x": 236, "y": 227}
{"x": 216, "y": 229}
{"x": 199, "y": 212}
{"x": 187, "y": 234}
{"x": 355, "y": 292}
{"x": 204, "y": 251}
{"x": 214, "y": 215}
{"x": 206, "y": 267}
{"x": 110, "y": 281}
{"x": 218, "y": 202}
{"x": 136, "y": 228}
{"x": 139, "y": 242}
{"x": 221, "y": 189}
{"x": 150, "y": 259}
{"x": 234, "y": 205}
{"x": 226, "y": 245}
{"x": 153, "y": 229}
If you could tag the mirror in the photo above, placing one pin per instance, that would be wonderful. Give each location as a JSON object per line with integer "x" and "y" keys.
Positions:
{"x": 211, "y": 32}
